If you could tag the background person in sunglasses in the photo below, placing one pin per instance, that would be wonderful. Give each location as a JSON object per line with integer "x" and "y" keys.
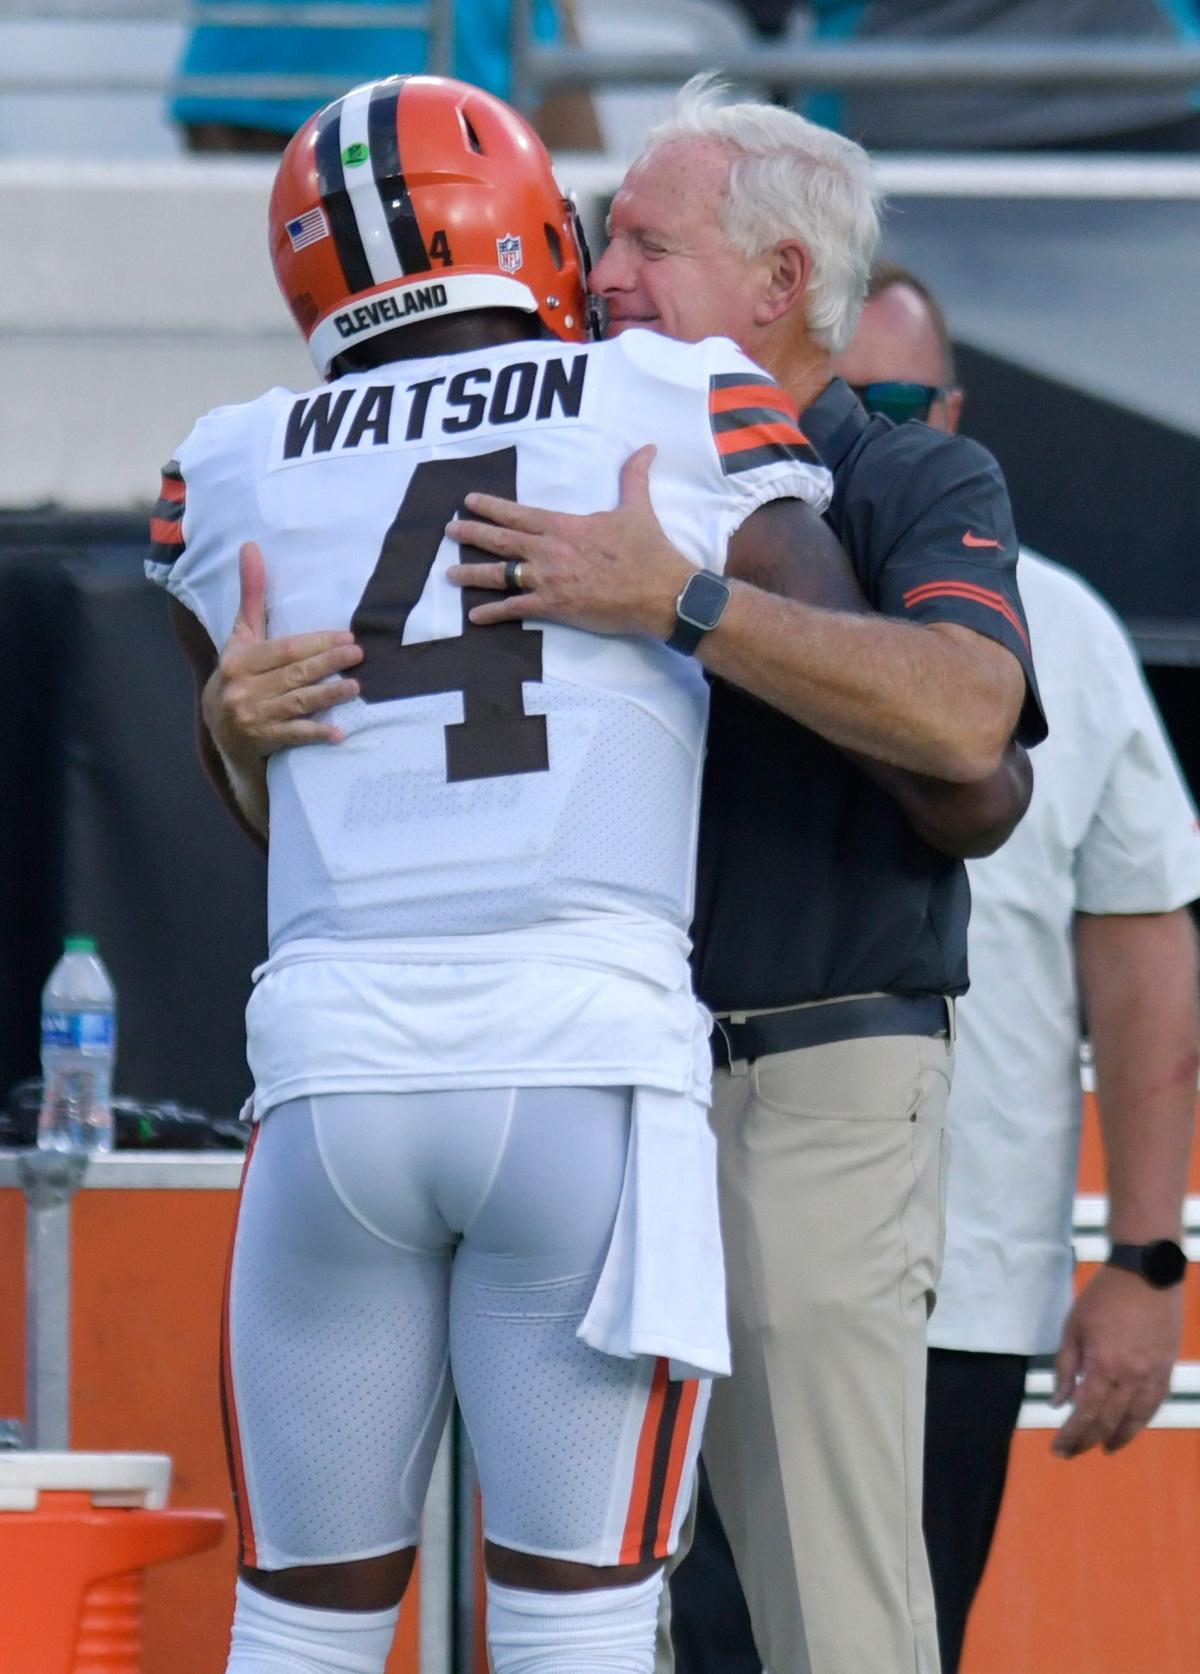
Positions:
{"x": 1085, "y": 905}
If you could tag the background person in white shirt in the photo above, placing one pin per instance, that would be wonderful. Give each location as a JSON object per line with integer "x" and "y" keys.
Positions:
{"x": 1083, "y": 909}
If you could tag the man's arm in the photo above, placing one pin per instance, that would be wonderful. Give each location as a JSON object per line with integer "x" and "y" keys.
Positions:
{"x": 967, "y": 822}
{"x": 242, "y": 795}
{"x": 786, "y": 550}
{"x": 1137, "y": 975}
{"x": 936, "y": 699}
{"x": 259, "y": 694}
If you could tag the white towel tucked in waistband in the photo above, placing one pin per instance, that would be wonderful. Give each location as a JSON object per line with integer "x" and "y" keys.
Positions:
{"x": 661, "y": 1290}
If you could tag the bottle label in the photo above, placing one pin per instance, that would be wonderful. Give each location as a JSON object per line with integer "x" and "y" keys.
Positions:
{"x": 79, "y": 1031}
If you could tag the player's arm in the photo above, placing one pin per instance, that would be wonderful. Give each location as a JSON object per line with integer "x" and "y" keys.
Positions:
{"x": 785, "y": 549}
{"x": 933, "y": 698}
{"x": 967, "y": 822}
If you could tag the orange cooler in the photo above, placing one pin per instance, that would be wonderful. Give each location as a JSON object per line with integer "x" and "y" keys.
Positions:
{"x": 150, "y": 1234}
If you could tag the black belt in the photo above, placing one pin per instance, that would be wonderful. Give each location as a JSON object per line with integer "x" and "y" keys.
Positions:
{"x": 823, "y": 1024}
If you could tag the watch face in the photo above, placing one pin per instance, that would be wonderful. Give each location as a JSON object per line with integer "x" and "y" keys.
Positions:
{"x": 703, "y": 600}
{"x": 1164, "y": 1263}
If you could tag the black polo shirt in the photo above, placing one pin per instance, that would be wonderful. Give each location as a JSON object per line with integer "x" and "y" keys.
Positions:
{"x": 811, "y": 882}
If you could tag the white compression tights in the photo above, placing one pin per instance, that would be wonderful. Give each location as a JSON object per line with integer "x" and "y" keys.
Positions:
{"x": 607, "y": 1631}
{"x": 271, "y": 1637}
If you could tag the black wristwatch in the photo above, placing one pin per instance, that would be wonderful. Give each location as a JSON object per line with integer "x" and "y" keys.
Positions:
{"x": 698, "y": 609}
{"x": 1162, "y": 1263}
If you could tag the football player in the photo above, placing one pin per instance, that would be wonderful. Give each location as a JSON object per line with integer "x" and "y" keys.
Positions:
{"x": 481, "y": 1154}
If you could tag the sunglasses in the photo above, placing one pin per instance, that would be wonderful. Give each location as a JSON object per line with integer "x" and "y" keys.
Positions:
{"x": 900, "y": 402}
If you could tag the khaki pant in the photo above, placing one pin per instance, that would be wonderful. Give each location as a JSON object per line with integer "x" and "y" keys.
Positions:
{"x": 833, "y": 1163}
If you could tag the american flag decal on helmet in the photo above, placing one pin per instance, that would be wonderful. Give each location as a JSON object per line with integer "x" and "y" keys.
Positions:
{"x": 754, "y": 423}
{"x": 308, "y": 228}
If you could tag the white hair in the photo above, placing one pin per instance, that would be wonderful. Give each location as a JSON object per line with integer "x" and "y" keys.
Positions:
{"x": 789, "y": 178}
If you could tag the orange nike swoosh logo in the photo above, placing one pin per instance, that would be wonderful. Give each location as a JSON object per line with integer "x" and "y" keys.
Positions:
{"x": 977, "y": 540}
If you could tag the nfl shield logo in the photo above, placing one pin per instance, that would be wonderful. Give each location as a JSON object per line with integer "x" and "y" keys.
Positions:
{"x": 508, "y": 251}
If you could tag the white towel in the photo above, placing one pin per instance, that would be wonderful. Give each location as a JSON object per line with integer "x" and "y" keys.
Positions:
{"x": 661, "y": 1290}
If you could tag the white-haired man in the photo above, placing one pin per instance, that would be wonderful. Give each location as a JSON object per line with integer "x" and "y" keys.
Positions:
{"x": 827, "y": 932}
{"x": 830, "y": 930}
{"x": 1085, "y": 903}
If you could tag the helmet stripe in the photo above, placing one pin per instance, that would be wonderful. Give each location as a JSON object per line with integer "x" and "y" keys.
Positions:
{"x": 358, "y": 159}
{"x": 331, "y": 183}
{"x": 389, "y": 178}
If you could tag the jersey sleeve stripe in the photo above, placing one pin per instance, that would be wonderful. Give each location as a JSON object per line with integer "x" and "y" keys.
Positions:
{"x": 744, "y": 394}
{"x": 736, "y": 380}
{"x": 758, "y": 435}
{"x": 989, "y": 593}
{"x": 974, "y": 595}
{"x": 771, "y": 453}
{"x": 164, "y": 533}
{"x": 753, "y": 423}
{"x": 166, "y": 520}
{"x": 737, "y": 418}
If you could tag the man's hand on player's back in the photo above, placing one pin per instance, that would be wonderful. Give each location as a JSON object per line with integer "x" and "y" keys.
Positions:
{"x": 263, "y": 694}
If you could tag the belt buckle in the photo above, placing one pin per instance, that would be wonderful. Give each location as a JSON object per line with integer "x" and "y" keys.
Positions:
{"x": 734, "y": 1064}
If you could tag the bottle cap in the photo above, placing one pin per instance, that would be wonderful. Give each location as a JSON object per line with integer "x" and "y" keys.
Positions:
{"x": 79, "y": 944}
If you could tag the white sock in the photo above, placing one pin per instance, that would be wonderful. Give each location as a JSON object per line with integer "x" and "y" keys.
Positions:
{"x": 271, "y": 1637}
{"x": 609, "y": 1630}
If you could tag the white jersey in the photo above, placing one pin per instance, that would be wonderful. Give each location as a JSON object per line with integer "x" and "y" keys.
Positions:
{"x": 492, "y": 778}
{"x": 526, "y": 787}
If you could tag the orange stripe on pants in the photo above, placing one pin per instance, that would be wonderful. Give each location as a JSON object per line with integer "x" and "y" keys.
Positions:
{"x": 233, "y": 1441}
{"x": 631, "y": 1545}
{"x": 679, "y": 1447}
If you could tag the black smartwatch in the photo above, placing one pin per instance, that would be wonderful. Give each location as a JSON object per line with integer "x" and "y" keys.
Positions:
{"x": 1162, "y": 1263}
{"x": 698, "y": 609}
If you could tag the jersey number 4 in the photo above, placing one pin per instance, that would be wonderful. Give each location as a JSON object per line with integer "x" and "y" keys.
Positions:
{"x": 487, "y": 665}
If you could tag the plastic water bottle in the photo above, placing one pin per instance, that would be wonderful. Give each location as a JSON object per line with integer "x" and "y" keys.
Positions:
{"x": 79, "y": 1045}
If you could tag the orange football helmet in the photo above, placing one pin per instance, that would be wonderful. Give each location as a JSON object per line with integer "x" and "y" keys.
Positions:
{"x": 418, "y": 196}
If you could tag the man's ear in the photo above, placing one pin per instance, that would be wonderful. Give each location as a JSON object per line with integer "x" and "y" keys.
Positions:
{"x": 953, "y": 402}
{"x": 789, "y": 268}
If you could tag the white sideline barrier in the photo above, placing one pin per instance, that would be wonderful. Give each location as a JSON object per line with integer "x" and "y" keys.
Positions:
{"x": 135, "y": 296}
{"x": 132, "y": 299}
{"x": 1180, "y": 1410}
